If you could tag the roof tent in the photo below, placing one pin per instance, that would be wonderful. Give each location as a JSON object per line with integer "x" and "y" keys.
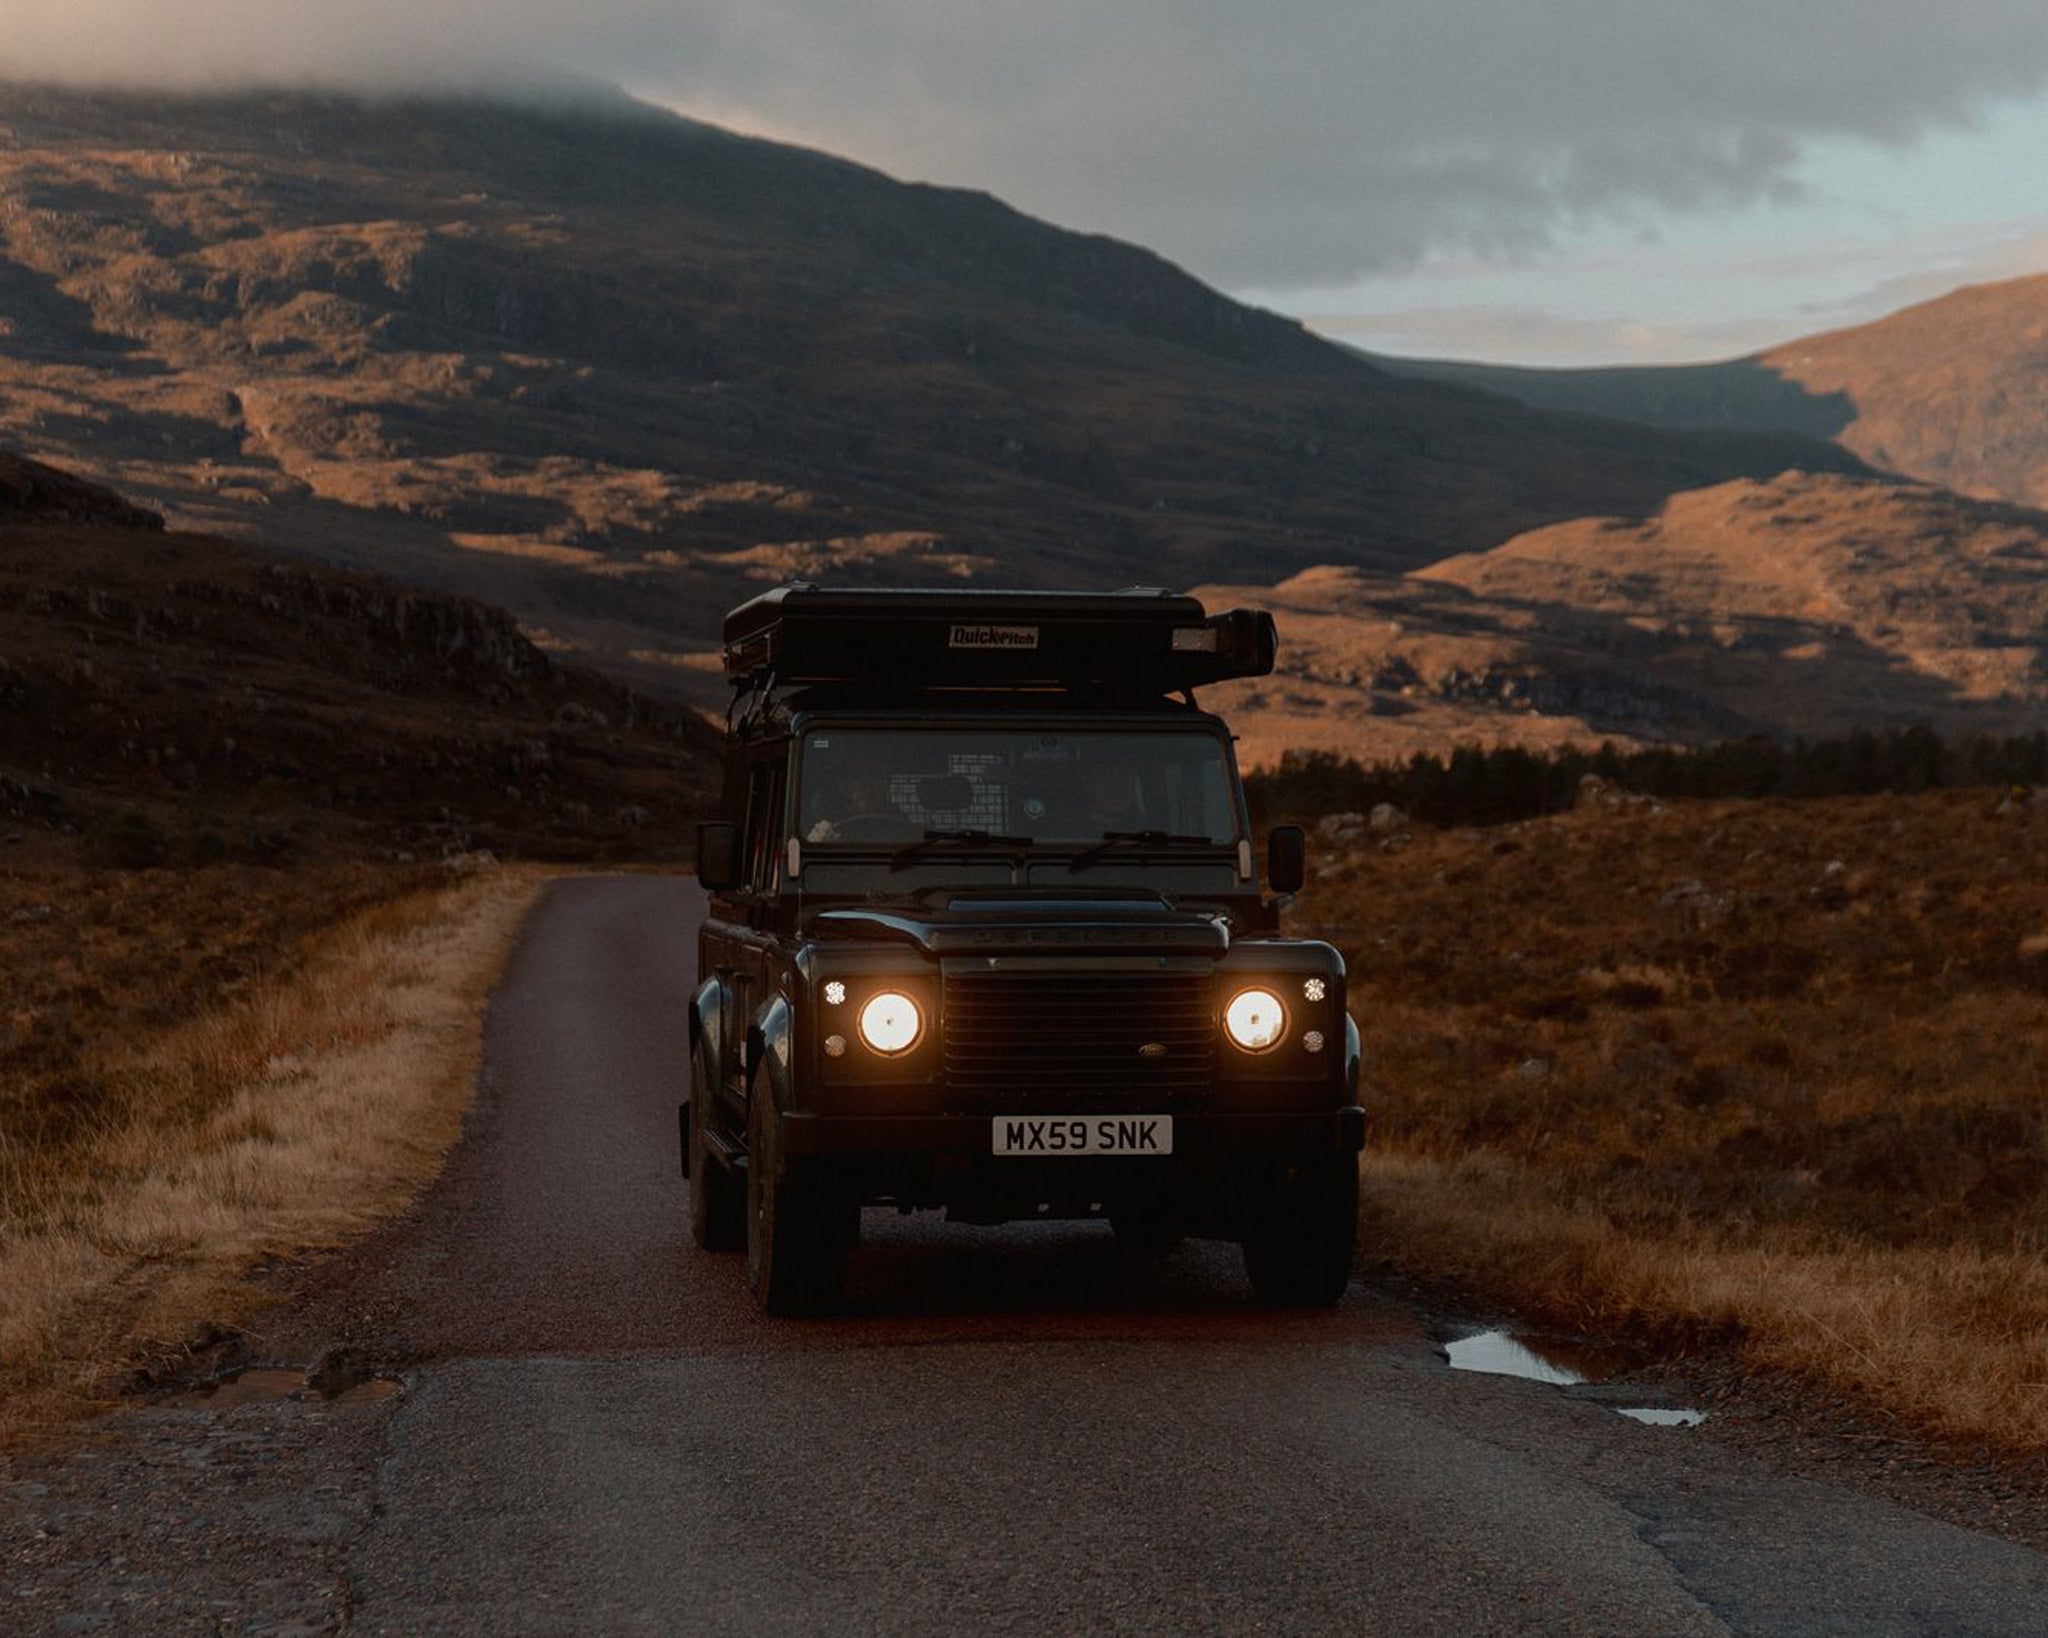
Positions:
{"x": 1140, "y": 641}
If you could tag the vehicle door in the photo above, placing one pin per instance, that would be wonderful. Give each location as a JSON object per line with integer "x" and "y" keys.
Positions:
{"x": 757, "y": 959}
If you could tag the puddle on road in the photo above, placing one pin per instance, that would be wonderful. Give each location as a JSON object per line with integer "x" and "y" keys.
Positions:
{"x": 1562, "y": 1362}
{"x": 1663, "y": 1418}
{"x": 1556, "y": 1360}
{"x": 267, "y": 1385}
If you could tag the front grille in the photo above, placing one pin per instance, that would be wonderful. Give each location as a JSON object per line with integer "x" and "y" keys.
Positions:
{"x": 1078, "y": 1040}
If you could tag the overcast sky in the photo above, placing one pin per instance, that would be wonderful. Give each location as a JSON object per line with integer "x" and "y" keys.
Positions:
{"x": 1533, "y": 180}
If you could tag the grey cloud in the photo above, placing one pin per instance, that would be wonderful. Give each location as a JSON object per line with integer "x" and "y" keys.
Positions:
{"x": 1532, "y": 336}
{"x": 2020, "y": 253}
{"x": 1302, "y": 142}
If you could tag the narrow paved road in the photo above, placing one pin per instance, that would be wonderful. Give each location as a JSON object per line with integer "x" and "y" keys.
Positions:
{"x": 1011, "y": 1429}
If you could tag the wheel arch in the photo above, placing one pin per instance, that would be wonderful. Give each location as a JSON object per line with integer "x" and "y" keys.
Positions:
{"x": 707, "y": 1005}
{"x": 771, "y": 1053}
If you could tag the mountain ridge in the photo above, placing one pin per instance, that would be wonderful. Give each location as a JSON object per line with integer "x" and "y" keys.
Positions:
{"x": 1950, "y": 391}
{"x": 614, "y": 371}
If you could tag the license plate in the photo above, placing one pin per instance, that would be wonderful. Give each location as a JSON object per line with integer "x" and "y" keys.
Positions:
{"x": 1083, "y": 1135}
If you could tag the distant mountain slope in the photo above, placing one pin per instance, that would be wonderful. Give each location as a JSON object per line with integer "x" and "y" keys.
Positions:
{"x": 1951, "y": 392}
{"x": 1743, "y": 394}
{"x": 612, "y": 368}
{"x": 279, "y": 705}
{"x": 1808, "y": 604}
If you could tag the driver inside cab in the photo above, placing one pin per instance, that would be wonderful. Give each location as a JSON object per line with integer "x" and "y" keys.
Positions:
{"x": 856, "y": 808}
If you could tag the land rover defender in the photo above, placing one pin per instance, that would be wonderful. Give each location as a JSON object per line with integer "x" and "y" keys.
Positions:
{"x": 986, "y": 937}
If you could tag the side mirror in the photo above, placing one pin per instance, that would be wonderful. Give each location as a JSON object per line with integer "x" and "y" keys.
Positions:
{"x": 718, "y": 855}
{"x": 1287, "y": 858}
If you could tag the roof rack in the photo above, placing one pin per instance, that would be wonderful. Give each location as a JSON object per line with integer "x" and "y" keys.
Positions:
{"x": 1141, "y": 641}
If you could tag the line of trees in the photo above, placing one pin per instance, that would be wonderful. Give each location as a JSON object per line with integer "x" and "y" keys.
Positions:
{"x": 1475, "y": 787}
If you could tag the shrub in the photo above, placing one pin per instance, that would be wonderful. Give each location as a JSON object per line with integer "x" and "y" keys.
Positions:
{"x": 1479, "y": 787}
{"x": 128, "y": 840}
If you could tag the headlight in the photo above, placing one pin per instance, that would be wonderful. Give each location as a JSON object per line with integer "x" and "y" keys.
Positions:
{"x": 1255, "y": 1019}
{"x": 890, "y": 1023}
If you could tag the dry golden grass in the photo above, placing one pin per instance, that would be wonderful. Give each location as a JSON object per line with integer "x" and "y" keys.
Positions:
{"x": 1763, "y": 1073}
{"x": 1951, "y": 1340}
{"x": 289, "y": 1118}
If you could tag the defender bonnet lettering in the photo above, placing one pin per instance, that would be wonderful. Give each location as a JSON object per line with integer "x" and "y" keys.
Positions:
{"x": 1141, "y": 641}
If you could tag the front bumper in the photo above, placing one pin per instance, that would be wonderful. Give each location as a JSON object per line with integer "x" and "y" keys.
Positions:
{"x": 1200, "y": 1136}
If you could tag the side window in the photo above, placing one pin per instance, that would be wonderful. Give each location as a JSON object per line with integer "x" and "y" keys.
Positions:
{"x": 763, "y": 839}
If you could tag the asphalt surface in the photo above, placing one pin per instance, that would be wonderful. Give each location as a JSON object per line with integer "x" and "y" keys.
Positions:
{"x": 1010, "y": 1429}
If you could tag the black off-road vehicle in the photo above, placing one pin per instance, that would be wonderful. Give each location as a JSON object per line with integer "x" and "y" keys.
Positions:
{"x": 986, "y": 936}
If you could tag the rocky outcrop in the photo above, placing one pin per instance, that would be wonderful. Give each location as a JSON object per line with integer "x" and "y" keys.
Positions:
{"x": 33, "y": 490}
{"x": 177, "y": 698}
{"x": 452, "y": 630}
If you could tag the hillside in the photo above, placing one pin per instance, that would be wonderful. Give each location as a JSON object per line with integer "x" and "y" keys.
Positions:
{"x": 1809, "y": 604}
{"x": 610, "y": 369}
{"x": 176, "y": 698}
{"x": 221, "y": 772}
{"x": 1951, "y": 392}
{"x": 1763, "y": 1074}
{"x": 1740, "y": 394}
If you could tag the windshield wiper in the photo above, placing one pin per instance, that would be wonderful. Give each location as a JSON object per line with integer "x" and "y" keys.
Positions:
{"x": 1114, "y": 839}
{"x": 933, "y": 837}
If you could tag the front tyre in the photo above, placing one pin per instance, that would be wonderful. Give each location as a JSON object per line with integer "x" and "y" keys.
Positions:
{"x": 1301, "y": 1232}
{"x": 718, "y": 1204}
{"x": 798, "y": 1237}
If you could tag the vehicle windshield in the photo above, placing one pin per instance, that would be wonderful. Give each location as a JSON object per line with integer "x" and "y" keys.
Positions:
{"x": 881, "y": 786}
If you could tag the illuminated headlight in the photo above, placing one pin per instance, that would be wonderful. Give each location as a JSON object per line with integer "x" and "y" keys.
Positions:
{"x": 1314, "y": 989}
{"x": 1255, "y": 1019}
{"x": 835, "y": 993}
{"x": 890, "y": 1023}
